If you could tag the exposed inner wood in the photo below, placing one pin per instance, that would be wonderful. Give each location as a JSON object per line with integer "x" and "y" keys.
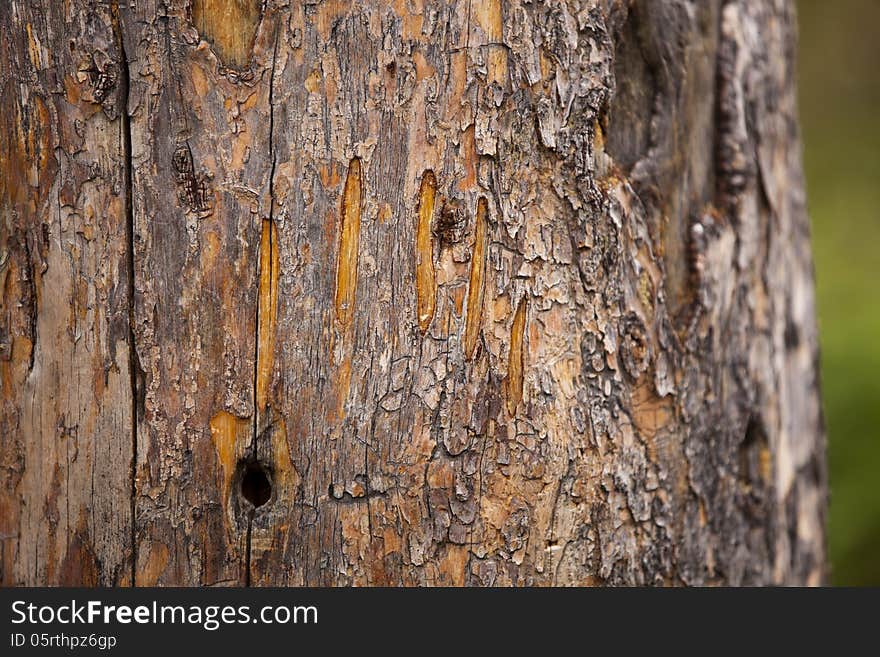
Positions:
{"x": 426, "y": 280}
{"x": 268, "y": 309}
{"x": 230, "y": 26}
{"x": 349, "y": 241}
{"x": 231, "y": 437}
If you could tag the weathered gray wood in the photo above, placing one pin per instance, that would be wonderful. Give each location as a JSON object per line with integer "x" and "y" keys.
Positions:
{"x": 65, "y": 382}
{"x": 491, "y": 293}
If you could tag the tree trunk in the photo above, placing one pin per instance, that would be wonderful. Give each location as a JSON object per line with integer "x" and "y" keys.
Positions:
{"x": 405, "y": 293}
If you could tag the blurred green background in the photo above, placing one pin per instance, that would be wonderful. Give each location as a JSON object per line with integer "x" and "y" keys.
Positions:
{"x": 839, "y": 103}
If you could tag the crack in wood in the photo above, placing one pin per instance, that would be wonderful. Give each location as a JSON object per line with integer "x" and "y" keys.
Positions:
{"x": 133, "y": 361}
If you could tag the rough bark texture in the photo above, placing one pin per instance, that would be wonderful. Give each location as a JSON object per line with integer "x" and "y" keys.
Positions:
{"x": 457, "y": 292}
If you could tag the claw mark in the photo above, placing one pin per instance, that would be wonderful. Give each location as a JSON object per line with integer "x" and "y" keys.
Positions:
{"x": 268, "y": 295}
{"x": 346, "y": 266}
{"x": 477, "y": 284}
{"x": 426, "y": 284}
{"x": 516, "y": 358}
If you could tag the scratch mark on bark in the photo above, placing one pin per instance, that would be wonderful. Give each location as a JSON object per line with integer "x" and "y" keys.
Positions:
{"x": 426, "y": 283}
{"x": 268, "y": 296}
{"x": 346, "y": 267}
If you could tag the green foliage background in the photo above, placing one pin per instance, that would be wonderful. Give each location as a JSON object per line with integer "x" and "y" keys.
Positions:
{"x": 839, "y": 103}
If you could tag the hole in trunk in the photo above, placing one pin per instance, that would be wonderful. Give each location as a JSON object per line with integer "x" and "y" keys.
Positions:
{"x": 256, "y": 487}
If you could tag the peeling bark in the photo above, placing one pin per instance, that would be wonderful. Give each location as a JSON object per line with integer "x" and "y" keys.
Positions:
{"x": 406, "y": 293}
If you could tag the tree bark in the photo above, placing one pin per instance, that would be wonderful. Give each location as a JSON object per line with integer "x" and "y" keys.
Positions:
{"x": 406, "y": 293}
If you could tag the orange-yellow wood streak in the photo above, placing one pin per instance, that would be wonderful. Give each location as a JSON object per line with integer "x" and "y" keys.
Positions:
{"x": 230, "y": 26}
{"x": 269, "y": 268}
{"x": 349, "y": 240}
{"x": 477, "y": 283}
{"x": 231, "y": 436}
{"x": 516, "y": 359}
{"x": 426, "y": 282}
{"x": 33, "y": 48}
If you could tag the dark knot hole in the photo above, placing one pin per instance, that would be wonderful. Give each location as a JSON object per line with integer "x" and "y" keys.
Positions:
{"x": 256, "y": 487}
